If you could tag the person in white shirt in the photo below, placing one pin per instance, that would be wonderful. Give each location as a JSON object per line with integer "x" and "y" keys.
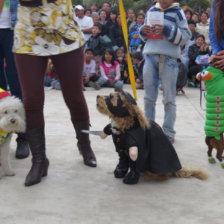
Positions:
{"x": 85, "y": 22}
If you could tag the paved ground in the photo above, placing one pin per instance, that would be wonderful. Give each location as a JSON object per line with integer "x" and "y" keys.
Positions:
{"x": 74, "y": 193}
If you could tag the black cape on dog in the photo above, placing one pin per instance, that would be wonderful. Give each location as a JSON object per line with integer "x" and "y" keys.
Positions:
{"x": 155, "y": 153}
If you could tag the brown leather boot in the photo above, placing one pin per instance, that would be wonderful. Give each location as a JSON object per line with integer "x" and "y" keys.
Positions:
{"x": 83, "y": 144}
{"x": 40, "y": 163}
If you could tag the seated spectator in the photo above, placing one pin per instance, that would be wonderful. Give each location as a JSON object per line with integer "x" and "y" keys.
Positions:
{"x": 131, "y": 20}
{"x": 184, "y": 51}
{"x": 111, "y": 20}
{"x": 89, "y": 71}
{"x": 85, "y": 22}
{"x": 110, "y": 72}
{"x": 188, "y": 14}
{"x": 198, "y": 58}
{"x": 134, "y": 37}
{"x": 116, "y": 34}
{"x": 120, "y": 57}
{"x": 103, "y": 20}
{"x": 98, "y": 43}
{"x": 88, "y": 12}
{"x": 203, "y": 27}
{"x": 138, "y": 69}
{"x": 95, "y": 17}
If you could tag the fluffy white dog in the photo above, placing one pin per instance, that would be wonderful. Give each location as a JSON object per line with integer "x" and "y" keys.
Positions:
{"x": 12, "y": 119}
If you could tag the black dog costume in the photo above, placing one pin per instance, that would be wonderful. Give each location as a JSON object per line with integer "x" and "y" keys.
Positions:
{"x": 130, "y": 128}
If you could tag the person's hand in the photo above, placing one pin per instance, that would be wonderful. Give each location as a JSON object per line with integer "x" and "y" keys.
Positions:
{"x": 146, "y": 29}
{"x": 135, "y": 36}
{"x": 221, "y": 53}
{"x": 218, "y": 62}
{"x": 158, "y": 29}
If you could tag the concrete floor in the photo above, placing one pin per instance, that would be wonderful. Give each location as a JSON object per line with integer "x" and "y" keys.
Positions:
{"x": 75, "y": 193}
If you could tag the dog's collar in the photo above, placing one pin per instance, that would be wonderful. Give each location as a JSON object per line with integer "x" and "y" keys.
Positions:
{"x": 4, "y": 136}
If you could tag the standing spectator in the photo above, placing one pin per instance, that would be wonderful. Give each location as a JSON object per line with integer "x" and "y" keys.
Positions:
{"x": 32, "y": 50}
{"x": 94, "y": 7}
{"x": 216, "y": 34}
{"x": 8, "y": 18}
{"x": 106, "y": 7}
{"x": 110, "y": 72}
{"x": 87, "y": 12}
{"x": 111, "y": 21}
{"x": 131, "y": 20}
{"x": 116, "y": 34}
{"x": 161, "y": 61}
{"x": 85, "y": 22}
{"x": 203, "y": 27}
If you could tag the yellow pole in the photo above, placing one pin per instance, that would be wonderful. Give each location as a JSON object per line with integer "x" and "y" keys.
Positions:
{"x": 125, "y": 33}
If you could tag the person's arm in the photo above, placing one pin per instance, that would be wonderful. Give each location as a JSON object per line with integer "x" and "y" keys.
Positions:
{"x": 2, "y": 2}
{"x": 118, "y": 72}
{"x": 214, "y": 44}
{"x": 177, "y": 34}
{"x": 102, "y": 72}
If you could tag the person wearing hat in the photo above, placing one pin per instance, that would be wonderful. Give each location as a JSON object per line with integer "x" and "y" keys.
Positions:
{"x": 38, "y": 38}
{"x": 85, "y": 22}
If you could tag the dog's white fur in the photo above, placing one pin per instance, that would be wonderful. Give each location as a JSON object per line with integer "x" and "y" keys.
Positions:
{"x": 12, "y": 119}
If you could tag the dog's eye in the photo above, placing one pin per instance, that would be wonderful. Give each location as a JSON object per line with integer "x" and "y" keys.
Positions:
{"x": 5, "y": 112}
{"x": 15, "y": 111}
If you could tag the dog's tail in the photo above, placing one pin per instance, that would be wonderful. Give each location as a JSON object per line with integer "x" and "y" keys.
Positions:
{"x": 186, "y": 173}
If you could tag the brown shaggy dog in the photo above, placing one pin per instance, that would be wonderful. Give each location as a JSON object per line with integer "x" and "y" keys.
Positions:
{"x": 142, "y": 146}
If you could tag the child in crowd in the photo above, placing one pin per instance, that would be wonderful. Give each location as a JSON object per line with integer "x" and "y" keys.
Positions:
{"x": 120, "y": 57}
{"x": 110, "y": 72}
{"x": 89, "y": 71}
{"x": 134, "y": 37}
{"x": 138, "y": 69}
{"x": 161, "y": 59}
{"x": 98, "y": 43}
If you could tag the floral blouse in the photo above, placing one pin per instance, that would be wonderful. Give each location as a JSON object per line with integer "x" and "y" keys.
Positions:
{"x": 48, "y": 29}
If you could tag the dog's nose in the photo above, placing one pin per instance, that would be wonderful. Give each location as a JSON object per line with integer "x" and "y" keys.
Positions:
{"x": 13, "y": 120}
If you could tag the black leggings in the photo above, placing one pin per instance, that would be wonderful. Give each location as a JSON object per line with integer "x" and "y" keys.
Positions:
{"x": 69, "y": 67}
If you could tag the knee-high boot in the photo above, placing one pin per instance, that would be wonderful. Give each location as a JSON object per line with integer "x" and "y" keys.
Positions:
{"x": 84, "y": 143}
{"x": 40, "y": 163}
{"x": 23, "y": 149}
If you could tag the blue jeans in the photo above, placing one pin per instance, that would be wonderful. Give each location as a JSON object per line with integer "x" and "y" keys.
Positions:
{"x": 168, "y": 80}
{"x": 105, "y": 82}
{"x": 6, "y": 42}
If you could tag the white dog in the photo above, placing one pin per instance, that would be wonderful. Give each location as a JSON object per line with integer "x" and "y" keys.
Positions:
{"x": 12, "y": 119}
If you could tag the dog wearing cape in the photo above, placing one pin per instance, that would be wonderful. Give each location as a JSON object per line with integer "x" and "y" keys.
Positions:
{"x": 214, "y": 124}
{"x": 142, "y": 146}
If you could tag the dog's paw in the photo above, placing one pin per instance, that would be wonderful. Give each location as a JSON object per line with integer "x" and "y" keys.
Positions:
{"x": 131, "y": 178}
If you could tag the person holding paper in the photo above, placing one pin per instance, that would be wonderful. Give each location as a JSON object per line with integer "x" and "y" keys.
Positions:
{"x": 165, "y": 30}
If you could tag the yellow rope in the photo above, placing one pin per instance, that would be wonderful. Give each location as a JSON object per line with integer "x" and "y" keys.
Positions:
{"x": 125, "y": 33}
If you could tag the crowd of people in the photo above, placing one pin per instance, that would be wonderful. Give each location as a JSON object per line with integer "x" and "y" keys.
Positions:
{"x": 87, "y": 49}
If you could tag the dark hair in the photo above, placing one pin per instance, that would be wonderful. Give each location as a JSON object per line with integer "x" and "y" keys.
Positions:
{"x": 205, "y": 14}
{"x": 200, "y": 35}
{"x": 107, "y": 3}
{"x": 138, "y": 55}
{"x": 111, "y": 52}
{"x": 188, "y": 10}
{"x": 89, "y": 49}
{"x": 140, "y": 14}
{"x": 219, "y": 20}
{"x": 86, "y": 10}
{"x": 99, "y": 26}
{"x": 190, "y": 21}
